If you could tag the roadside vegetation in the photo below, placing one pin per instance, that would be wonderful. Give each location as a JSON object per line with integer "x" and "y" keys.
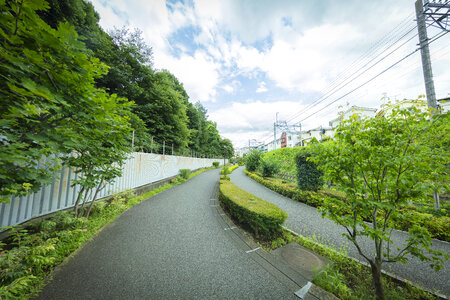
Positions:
{"x": 77, "y": 96}
{"x": 383, "y": 171}
{"x": 262, "y": 218}
{"x": 30, "y": 252}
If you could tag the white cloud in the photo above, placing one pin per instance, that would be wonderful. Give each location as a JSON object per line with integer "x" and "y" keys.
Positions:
{"x": 261, "y": 87}
{"x": 199, "y": 74}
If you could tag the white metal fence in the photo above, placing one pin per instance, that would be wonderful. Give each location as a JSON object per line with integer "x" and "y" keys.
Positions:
{"x": 140, "y": 169}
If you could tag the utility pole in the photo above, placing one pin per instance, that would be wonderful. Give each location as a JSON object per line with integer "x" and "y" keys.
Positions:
{"x": 425, "y": 52}
{"x": 428, "y": 10}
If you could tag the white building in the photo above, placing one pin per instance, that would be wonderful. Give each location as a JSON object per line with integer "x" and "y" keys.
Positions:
{"x": 364, "y": 112}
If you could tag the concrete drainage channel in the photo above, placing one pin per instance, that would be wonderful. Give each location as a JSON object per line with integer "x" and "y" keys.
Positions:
{"x": 290, "y": 265}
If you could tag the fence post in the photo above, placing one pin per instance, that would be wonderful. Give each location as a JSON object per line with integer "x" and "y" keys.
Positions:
{"x": 151, "y": 146}
{"x": 132, "y": 142}
{"x": 164, "y": 147}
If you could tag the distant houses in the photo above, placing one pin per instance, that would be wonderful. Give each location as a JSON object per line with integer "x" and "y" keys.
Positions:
{"x": 302, "y": 138}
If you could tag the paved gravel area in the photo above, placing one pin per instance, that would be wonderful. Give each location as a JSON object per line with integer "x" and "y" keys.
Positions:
{"x": 170, "y": 246}
{"x": 307, "y": 221}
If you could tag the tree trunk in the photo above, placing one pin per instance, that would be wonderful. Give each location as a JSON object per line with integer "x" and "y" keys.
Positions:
{"x": 75, "y": 207}
{"x": 99, "y": 188}
{"x": 376, "y": 278}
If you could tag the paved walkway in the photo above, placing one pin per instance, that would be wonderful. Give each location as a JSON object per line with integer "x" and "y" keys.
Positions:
{"x": 171, "y": 246}
{"x": 307, "y": 221}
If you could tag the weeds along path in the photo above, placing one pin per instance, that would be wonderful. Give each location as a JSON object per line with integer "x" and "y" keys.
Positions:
{"x": 170, "y": 246}
{"x": 307, "y": 221}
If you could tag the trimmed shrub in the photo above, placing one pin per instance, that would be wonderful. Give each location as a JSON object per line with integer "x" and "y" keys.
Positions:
{"x": 229, "y": 169}
{"x": 232, "y": 168}
{"x": 268, "y": 168}
{"x": 438, "y": 226}
{"x": 288, "y": 190}
{"x": 215, "y": 164}
{"x": 252, "y": 160}
{"x": 309, "y": 178}
{"x": 185, "y": 173}
{"x": 225, "y": 171}
{"x": 263, "y": 218}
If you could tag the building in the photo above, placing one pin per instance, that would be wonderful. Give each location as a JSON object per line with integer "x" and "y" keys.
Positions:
{"x": 364, "y": 112}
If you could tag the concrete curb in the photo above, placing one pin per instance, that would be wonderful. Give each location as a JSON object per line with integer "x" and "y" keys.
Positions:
{"x": 386, "y": 273}
{"x": 276, "y": 266}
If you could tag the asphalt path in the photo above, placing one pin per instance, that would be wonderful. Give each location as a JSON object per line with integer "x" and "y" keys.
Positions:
{"x": 307, "y": 221}
{"x": 170, "y": 246}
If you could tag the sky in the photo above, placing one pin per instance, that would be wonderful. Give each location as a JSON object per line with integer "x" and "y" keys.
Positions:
{"x": 250, "y": 62}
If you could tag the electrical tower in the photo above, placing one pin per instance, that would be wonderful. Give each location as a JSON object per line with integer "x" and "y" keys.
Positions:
{"x": 434, "y": 13}
{"x": 284, "y": 127}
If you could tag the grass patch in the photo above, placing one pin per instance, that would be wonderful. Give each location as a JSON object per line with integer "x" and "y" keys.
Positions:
{"x": 261, "y": 217}
{"x": 28, "y": 255}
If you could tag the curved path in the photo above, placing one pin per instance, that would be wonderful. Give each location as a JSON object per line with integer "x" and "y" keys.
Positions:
{"x": 307, "y": 221}
{"x": 171, "y": 246}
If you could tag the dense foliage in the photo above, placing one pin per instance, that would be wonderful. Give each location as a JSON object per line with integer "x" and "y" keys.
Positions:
{"x": 382, "y": 164}
{"x": 69, "y": 87}
{"x": 284, "y": 158}
{"x": 252, "y": 160}
{"x": 163, "y": 110}
{"x": 309, "y": 178}
{"x": 268, "y": 168}
{"x": 263, "y": 218}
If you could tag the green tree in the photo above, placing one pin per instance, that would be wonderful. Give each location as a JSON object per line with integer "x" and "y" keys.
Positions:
{"x": 252, "y": 160}
{"x": 227, "y": 148}
{"x": 47, "y": 89}
{"x": 381, "y": 164}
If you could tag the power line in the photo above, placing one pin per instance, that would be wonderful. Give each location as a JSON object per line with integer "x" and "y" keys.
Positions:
{"x": 358, "y": 73}
{"x": 342, "y": 85}
{"x": 435, "y": 38}
{"x": 382, "y": 42}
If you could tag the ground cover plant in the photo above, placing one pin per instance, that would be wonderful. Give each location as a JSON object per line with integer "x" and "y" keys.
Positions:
{"x": 29, "y": 254}
{"x": 262, "y": 218}
{"x": 349, "y": 279}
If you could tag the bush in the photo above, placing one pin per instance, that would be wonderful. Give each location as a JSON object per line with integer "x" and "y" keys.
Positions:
{"x": 439, "y": 227}
{"x": 288, "y": 190}
{"x": 185, "y": 173}
{"x": 215, "y": 164}
{"x": 309, "y": 178}
{"x": 263, "y": 218}
{"x": 268, "y": 168}
{"x": 252, "y": 160}
{"x": 229, "y": 169}
{"x": 284, "y": 157}
{"x": 232, "y": 168}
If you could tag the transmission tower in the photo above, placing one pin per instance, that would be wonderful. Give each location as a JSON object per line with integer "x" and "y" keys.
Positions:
{"x": 434, "y": 13}
{"x": 284, "y": 127}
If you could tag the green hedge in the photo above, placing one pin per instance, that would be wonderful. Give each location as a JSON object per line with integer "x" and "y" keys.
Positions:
{"x": 309, "y": 178}
{"x": 439, "y": 227}
{"x": 288, "y": 189}
{"x": 230, "y": 169}
{"x": 262, "y": 218}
